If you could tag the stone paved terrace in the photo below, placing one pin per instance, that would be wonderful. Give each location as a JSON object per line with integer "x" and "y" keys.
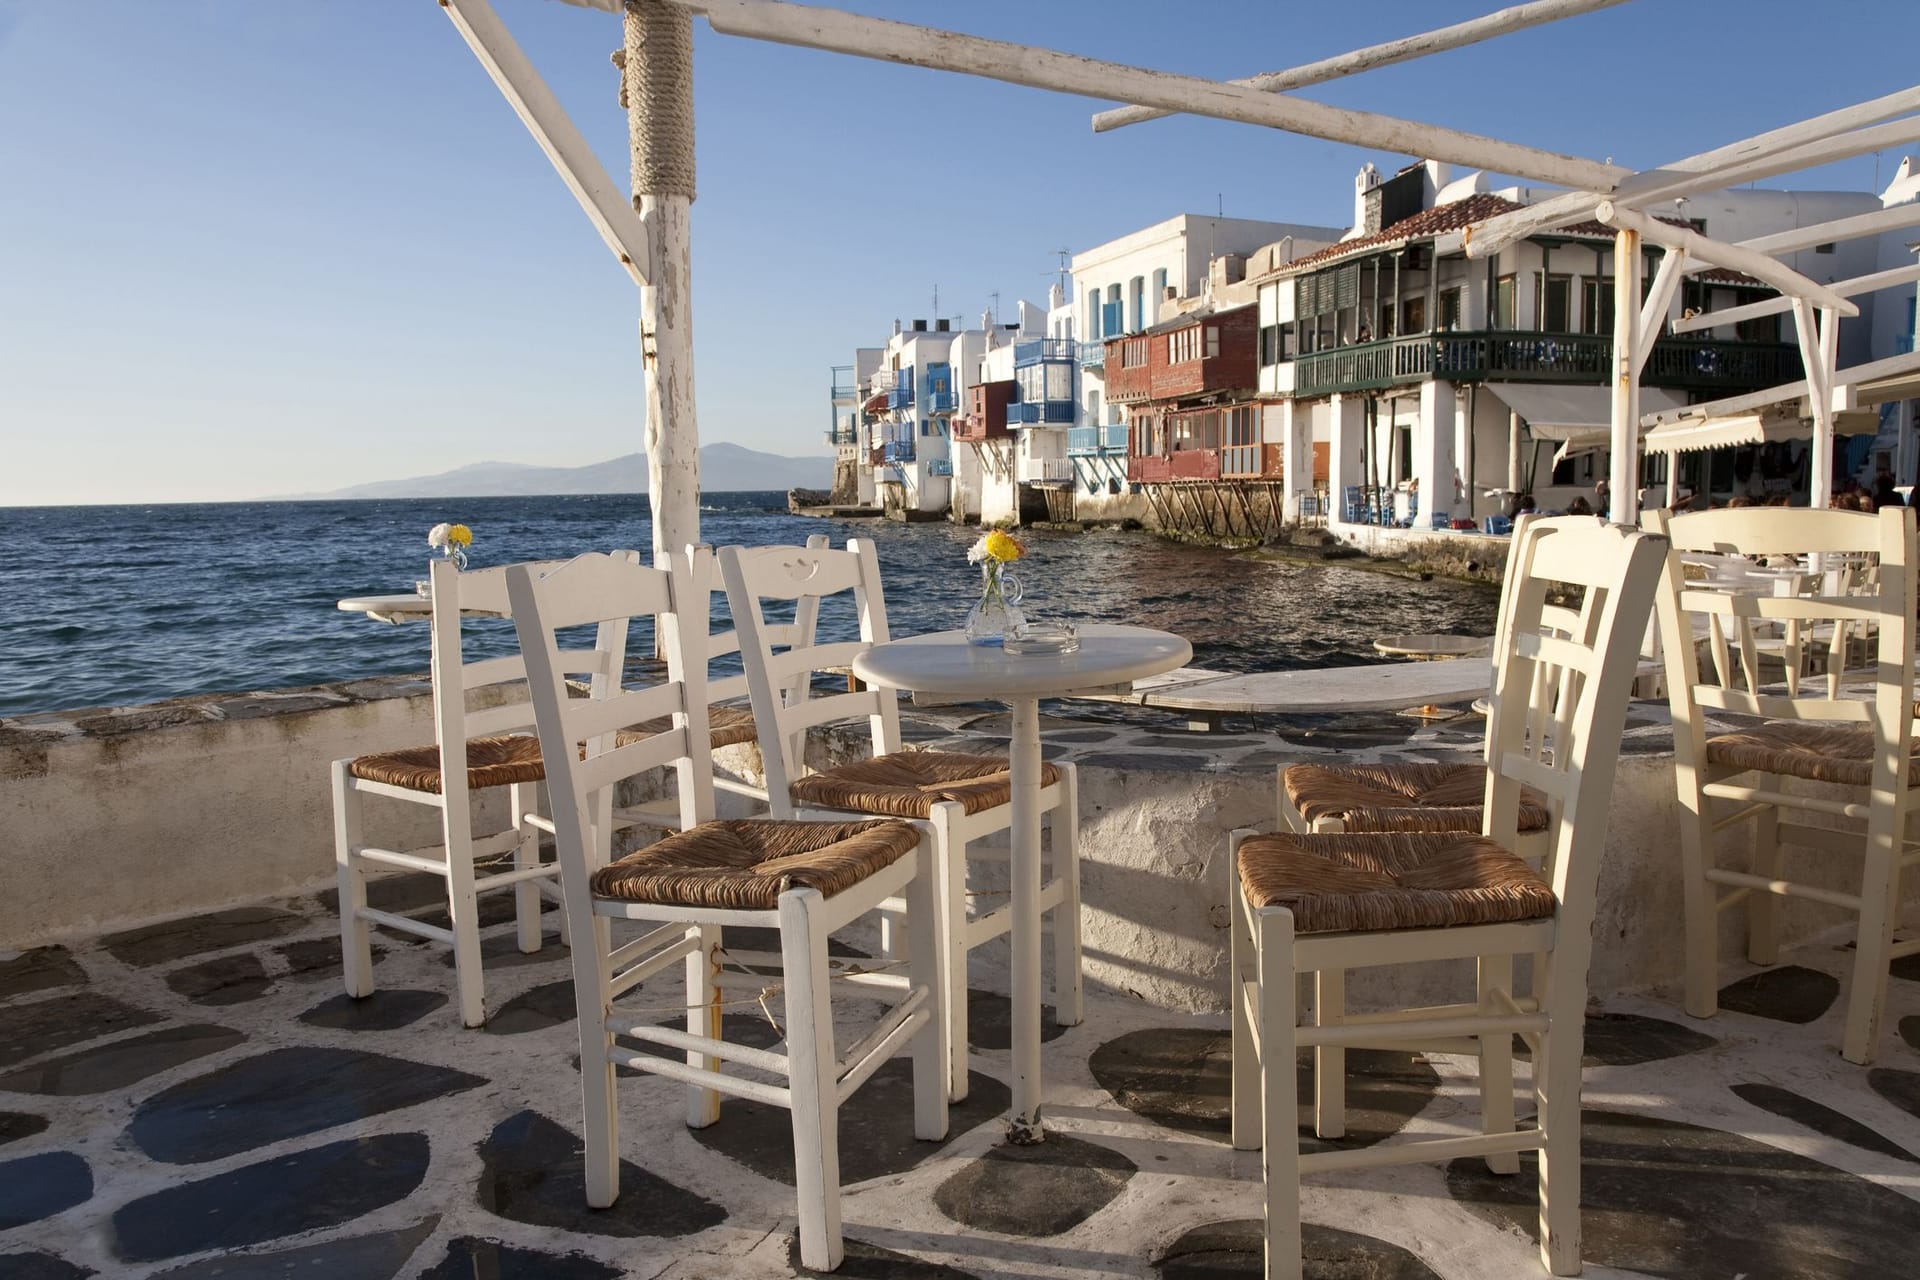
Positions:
{"x": 196, "y": 1099}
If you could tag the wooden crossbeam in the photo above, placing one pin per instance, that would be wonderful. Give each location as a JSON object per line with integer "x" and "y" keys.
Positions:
{"x": 1860, "y": 224}
{"x": 1852, "y": 288}
{"x": 1459, "y": 35}
{"x": 1757, "y": 265}
{"x": 1709, "y": 168}
{"x": 811, "y": 27}
{"x": 604, "y": 203}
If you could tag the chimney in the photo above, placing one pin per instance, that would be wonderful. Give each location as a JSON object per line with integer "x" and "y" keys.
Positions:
{"x": 896, "y": 328}
{"x": 1056, "y": 297}
{"x": 986, "y": 320}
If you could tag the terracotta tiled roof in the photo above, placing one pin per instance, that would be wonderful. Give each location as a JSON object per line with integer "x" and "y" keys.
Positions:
{"x": 1727, "y": 275}
{"x": 1424, "y": 225}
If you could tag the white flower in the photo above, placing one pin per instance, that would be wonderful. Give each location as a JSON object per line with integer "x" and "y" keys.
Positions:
{"x": 978, "y": 551}
{"x": 437, "y": 536}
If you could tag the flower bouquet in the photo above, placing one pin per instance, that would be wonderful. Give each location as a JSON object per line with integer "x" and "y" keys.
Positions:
{"x": 998, "y": 609}
{"x": 451, "y": 541}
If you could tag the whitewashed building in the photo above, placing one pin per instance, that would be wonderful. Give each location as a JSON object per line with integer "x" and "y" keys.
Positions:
{"x": 1438, "y": 386}
{"x": 1120, "y": 288}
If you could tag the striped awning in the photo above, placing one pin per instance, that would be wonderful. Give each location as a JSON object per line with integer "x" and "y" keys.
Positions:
{"x": 1749, "y": 428}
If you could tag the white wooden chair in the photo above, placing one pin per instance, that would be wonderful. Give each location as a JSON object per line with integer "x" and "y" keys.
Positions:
{"x": 473, "y": 750}
{"x": 804, "y": 879}
{"x": 1316, "y": 902}
{"x": 961, "y": 797}
{"x": 1833, "y": 731}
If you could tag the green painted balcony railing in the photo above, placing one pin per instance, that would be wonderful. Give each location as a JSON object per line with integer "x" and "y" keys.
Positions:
{"x": 1524, "y": 356}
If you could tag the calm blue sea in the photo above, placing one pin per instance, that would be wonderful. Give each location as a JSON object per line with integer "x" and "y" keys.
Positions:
{"x": 111, "y": 606}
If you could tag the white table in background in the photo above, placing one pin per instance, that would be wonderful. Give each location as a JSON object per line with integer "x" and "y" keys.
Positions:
{"x": 944, "y": 663}
{"x": 410, "y": 607}
{"x": 1429, "y": 647}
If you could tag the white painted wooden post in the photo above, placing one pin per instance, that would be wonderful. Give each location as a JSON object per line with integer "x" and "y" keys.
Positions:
{"x": 658, "y": 75}
{"x": 1818, "y": 351}
{"x": 1624, "y": 474}
{"x": 1515, "y": 484}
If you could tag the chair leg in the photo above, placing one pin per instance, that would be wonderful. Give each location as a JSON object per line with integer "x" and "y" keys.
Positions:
{"x": 600, "y": 1119}
{"x": 703, "y": 1019}
{"x": 1069, "y": 987}
{"x": 526, "y": 894}
{"x": 356, "y": 942}
{"x": 1556, "y": 1083}
{"x": 930, "y": 1060}
{"x": 1242, "y": 970}
{"x": 1699, "y": 902}
{"x": 1329, "y": 1061}
{"x": 1763, "y": 909}
{"x": 1879, "y": 911}
{"x": 463, "y": 910}
{"x": 1280, "y": 1109}
{"x": 810, "y": 1067}
{"x": 1496, "y": 1063}
{"x": 950, "y": 888}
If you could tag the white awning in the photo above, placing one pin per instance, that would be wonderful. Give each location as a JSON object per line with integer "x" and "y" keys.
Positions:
{"x": 1901, "y": 385}
{"x": 1749, "y": 428}
{"x": 1573, "y": 414}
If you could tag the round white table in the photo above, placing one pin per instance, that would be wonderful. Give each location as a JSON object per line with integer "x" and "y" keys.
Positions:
{"x": 1429, "y": 646}
{"x": 945, "y": 663}
{"x": 411, "y": 607}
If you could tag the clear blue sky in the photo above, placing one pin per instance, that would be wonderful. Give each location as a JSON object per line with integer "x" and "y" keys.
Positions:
{"x": 251, "y": 247}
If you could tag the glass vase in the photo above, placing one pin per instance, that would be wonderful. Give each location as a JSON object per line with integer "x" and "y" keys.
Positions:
{"x": 998, "y": 608}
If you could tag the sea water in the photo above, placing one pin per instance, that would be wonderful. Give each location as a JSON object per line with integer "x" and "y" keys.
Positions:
{"x": 113, "y": 606}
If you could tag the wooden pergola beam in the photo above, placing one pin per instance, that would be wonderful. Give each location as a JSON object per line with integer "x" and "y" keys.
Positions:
{"x": 1459, "y": 35}
{"x": 811, "y": 27}
{"x": 1852, "y": 288}
{"x": 1853, "y": 228}
{"x": 1757, "y": 265}
{"x": 1710, "y": 169}
{"x": 606, "y": 205}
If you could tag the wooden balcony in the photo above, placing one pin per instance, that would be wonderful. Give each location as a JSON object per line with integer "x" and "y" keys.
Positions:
{"x": 1523, "y": 356}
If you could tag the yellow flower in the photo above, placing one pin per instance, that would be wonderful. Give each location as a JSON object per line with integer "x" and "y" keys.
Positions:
{"x": 1003, "y": 546}
{"x": 460, "y": 536}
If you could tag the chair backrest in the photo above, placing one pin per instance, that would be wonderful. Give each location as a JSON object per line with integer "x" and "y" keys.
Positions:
{"x": 607, "y": 591}
{"x": 702, "y": 563}
{"x": 782, "y": 659}
{"x": 1868, "y": 596}
{"x": 1562, "y": 677}
{"x": 459, "y": 595}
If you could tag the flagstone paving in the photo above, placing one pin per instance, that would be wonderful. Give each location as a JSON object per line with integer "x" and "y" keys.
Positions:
{"x": 292, "y": 1131}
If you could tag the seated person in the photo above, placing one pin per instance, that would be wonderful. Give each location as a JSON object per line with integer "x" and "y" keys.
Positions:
{"x": 1579, "y": 506}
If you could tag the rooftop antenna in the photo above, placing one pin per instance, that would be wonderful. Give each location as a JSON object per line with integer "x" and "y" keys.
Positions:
{"x": 1064, "y": 271}
{"x": 1219, "y": 204}
{"x": 936, "y": 300}
{"x": 995, "y": 295}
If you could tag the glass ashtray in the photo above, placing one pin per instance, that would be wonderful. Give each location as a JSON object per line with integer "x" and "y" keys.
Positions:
{"x": 1043, "y": 637}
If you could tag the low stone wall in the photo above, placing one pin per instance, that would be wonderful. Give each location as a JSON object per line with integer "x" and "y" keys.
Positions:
{"x": 115, "y": 818}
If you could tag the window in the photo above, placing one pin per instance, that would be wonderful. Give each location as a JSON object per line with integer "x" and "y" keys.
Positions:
{"x": 1758, "y": 329}
{"x": 1449, "y": 317}
{"x": 1213, "y": 342}
{"x": 1139, "y": 284}
{"x": 1824, "y": 248}
{"x": 1155, "y": 298}
{"x": 1554, "y": 303}
{"x": 1276, "y": 344}
{"x": 1504, "y": 299}
{"x": 1183, "y": 345}
{"x": 1413, "y": 314}
{"x": 1133, "y": 353}
{"x": 1596, "y": 304}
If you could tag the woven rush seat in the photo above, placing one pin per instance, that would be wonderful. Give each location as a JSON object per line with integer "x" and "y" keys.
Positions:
{"x": 1806, "y": 749}
{"x": 1400, "y": 797}
{"x": 491, "y": 762}
{"x": 726, "y": 727}
{"x": 1340, "y": 883}
{"x": 746, "y": 864}
{"x": 907, "y": 784}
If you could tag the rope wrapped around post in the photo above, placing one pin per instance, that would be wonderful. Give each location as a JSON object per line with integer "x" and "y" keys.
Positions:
{"x": 657, "y": 91}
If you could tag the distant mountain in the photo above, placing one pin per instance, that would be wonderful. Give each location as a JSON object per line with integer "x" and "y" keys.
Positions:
{"x": 724, "y": 468}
